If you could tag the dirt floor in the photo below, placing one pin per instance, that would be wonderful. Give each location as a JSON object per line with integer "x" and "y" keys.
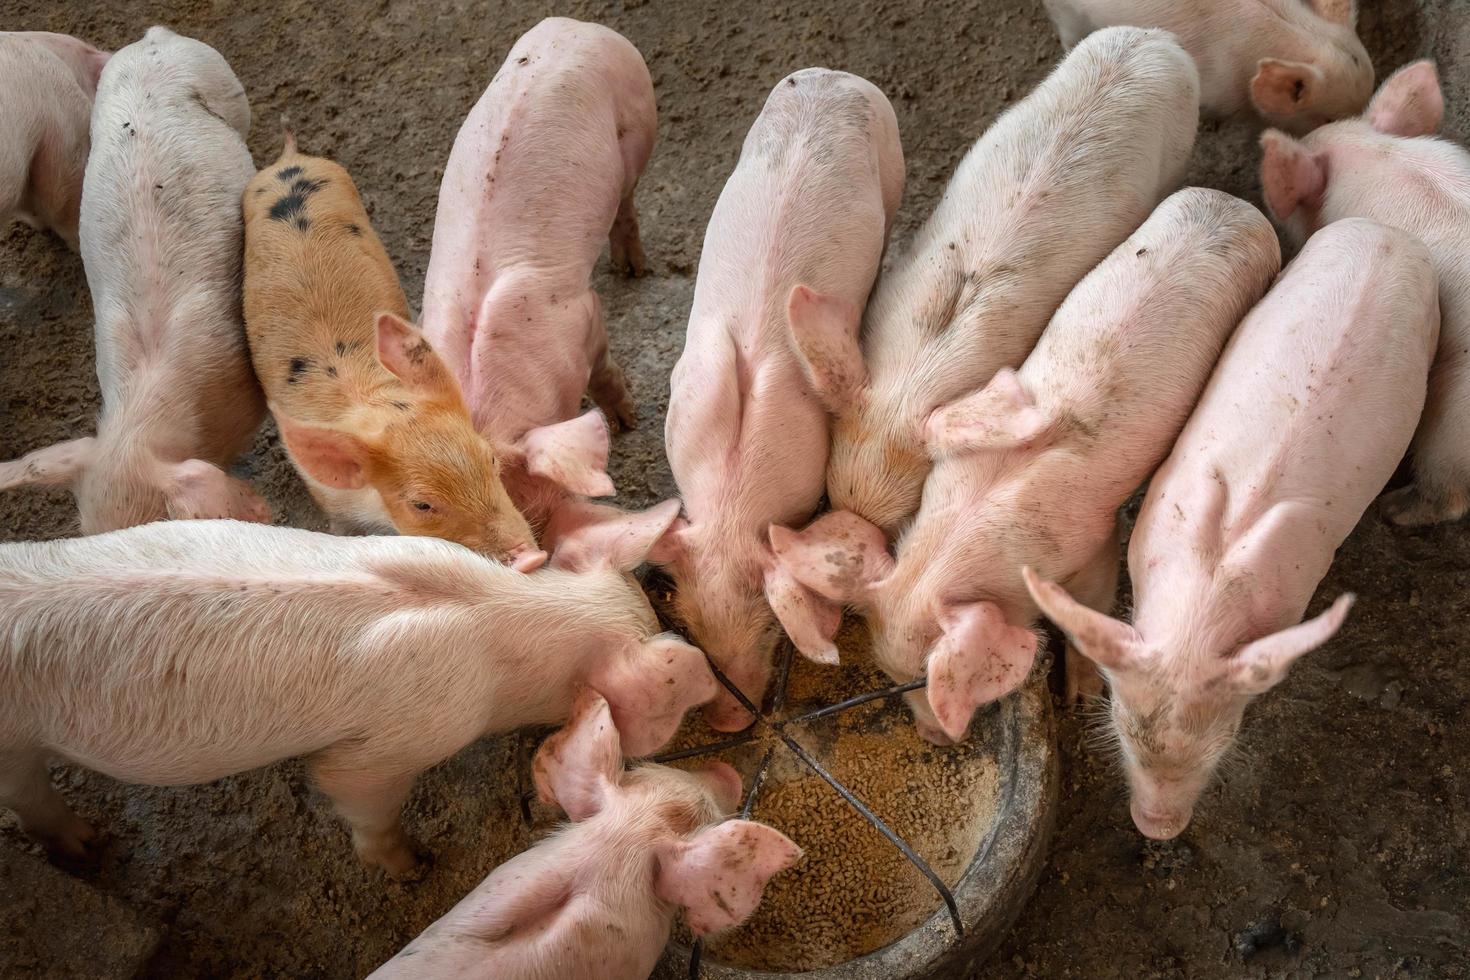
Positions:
{"x": 1338, "y": 848}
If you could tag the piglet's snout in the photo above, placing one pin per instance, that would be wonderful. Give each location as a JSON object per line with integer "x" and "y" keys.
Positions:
{"x": 527, "y": 559}
{"x": 724, "y": 785}
{"x": 1160, "y": 823}
{"x": 725, "y": 714}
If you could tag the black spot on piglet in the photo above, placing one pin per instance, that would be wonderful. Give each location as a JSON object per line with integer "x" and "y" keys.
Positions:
{"x": 299, "y": 366}
{"x": 286, "y": 173}
{"x": 288, "y": 208}
{"x": 292, "y": 206}
{"x": 353, "y": 230}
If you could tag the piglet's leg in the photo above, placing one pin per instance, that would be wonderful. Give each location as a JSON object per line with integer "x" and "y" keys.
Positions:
{"x": 25, "y": 787}
{"x": 608, "y": 386}
{"x": 371, "y": 802}
{"x": 625, "y": 247}
{"x": 1411, "y": 507}
{"x": 1095, "y": 586}
{"x": 1441, "y": 488}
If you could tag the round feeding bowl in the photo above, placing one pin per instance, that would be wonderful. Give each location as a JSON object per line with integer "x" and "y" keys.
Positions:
{"x": 901, "y": 838}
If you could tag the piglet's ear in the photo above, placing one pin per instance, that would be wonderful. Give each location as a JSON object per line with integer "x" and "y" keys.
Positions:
{"x": 54, "y": 466}
{"x": 577, "y": 766}
{"x": 825, "y": 329}
{"x": 1291, "y": 175}
{"x": 1000, "y": 416}
{"x": 196, "y": 490}
{"x": 329, "y": 456}
{"x": 651, "y": 687}
{"x": 1103, "y": 639}
{"x": 1410, "y": 103}
{"x": 1281, "y": 88}
{"x": 411, "y": 358}
{"x": 809, "y": 620}
{"x": 589, "y": 535}
{"x": 672, "y": 546}
{"x": 572, "y": 454}
{"x": 1257, "y": 667}
{"x": 718, "y": 876}
{"x": 839, "y": 556}
{"x": 977, "y": 659}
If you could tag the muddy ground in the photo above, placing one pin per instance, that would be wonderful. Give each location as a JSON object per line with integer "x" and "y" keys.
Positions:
{"x": 1338, "y": 847}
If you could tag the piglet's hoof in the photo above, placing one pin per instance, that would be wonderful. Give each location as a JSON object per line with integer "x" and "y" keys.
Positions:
{"x": 69, "y": 841}
{"x": 395, "y": 857}
{"x": 1409, "y": 507}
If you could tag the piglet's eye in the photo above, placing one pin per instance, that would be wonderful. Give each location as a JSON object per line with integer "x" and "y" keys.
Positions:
{"x": 423, "y": 505}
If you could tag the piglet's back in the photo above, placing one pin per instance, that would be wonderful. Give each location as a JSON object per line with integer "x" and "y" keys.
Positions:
{"x": 1025, "y": 200}
{"x": 527, "y": 158}
{"x": 1126, "y": 356}
{"x": 161, "y": 220}
{"x": 1317, "y": 395}
{"x": 316, "y": 276}
{"x": 187, "y": 600}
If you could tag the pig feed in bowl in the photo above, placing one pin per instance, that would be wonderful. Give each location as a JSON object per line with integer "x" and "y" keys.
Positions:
{"x": 977, "y": 814}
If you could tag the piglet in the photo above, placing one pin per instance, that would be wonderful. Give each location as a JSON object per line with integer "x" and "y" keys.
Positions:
{"x": 1296, "y": 63}
{"x": 182, "y": 652}
{"x": 49, "y": 81}
{"x": 1054, "y": 185}
{"x": 371, "y": 417}
{"x": 1308, "y": 413}
{"x": 1033, "y": 468}
{"x": 542, "y": 172}
{"x": 596, "y": 901}
{"x": 788, "y": 259}
{"x": 160, "y": 239}
{"x": 1387, "y": 166}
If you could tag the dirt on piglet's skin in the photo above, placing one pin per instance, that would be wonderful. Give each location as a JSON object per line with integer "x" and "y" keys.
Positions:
{"x": 1338, "y": 847}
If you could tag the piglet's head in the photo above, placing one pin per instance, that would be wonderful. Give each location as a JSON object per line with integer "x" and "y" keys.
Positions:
{"x": 725, "y": 589}
{"x": 715, "y": 871}
{"x": 650, "y": 686}
{"x": 971, "y": 655}
{"x": 436, "y": 476}
{"x": 1334, "y": 80}
{"x": 118, "y": 486}
{"x": 1295, "y": 174}
{"x": 649, "y": 682}
{"x": 1176, "y": 709}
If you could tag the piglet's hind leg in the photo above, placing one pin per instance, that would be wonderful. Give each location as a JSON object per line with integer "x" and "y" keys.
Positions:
{"x": 624, "y": 244}
{"x": 607, "y": 385}
{"x": 371, "y": 802}
{"x": 25, "y": 787}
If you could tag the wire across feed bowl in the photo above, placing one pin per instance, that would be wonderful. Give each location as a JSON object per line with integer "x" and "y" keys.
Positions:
{"x": 918, "y": 858}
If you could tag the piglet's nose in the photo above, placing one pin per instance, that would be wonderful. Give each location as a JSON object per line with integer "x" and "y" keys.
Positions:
{"x": 528, "y": 560}
{"x": 1159, "y": 824}
{"x": 726, "y": 785}
{"x": 724, "y": 714}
